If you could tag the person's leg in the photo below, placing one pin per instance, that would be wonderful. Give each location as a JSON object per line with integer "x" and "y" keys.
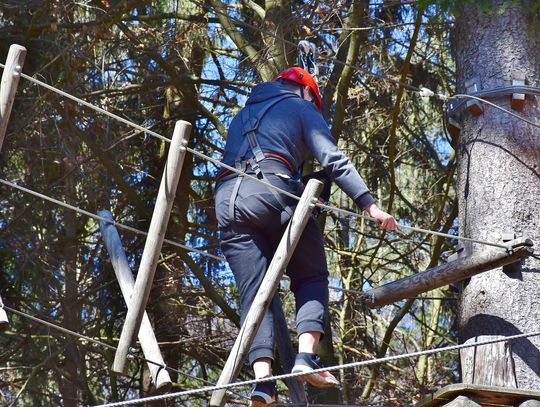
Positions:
{"x": 308, "y": 342}
{"x": 247, "y": 254}
{"x": 309, "y": 283}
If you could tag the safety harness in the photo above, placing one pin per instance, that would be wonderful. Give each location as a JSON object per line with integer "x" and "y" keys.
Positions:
{"x": 250, "y": 123}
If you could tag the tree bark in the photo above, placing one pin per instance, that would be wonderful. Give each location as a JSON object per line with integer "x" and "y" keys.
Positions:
{"x": 498, "y": 182}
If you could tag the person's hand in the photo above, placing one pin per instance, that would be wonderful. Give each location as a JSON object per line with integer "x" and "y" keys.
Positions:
{"x": 385, "y": 220}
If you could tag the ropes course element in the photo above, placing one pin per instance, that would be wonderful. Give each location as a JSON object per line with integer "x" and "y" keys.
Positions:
{"x": 427, "y": 92}
{"x": 421, "y": 91}
{"x": 252, "y": 177}
{"x": 104, "y": 345}
{"x": 100, "y": 218}
{"x": 325, "y": 369}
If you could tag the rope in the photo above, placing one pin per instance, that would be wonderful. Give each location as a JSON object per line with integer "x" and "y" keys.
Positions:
{"x": 91, "y": 106}
{"x": 412, "y": 228}
{"x": 340, "y": 210}
{"x": 60, "y": 328}
{"x": 100, "y": 218}
{"x": 493, "y": 92}
{"x": 103, "y": 344}
{"x": 325, "y": 369}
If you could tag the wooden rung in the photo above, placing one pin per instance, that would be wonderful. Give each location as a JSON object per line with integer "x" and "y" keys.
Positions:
{"x": 154, "y": 241}
{"x": 485, "y": 395}
{"x": 8, "y": 85}
{"x": 268, "y": 288}
{"x": 147, "y": 338}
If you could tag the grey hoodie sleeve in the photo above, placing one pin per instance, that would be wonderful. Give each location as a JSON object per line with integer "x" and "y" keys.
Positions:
{"x": 337, "y": 165}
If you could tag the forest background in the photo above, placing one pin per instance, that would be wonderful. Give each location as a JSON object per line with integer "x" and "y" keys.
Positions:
{"x": 157, "y": 62}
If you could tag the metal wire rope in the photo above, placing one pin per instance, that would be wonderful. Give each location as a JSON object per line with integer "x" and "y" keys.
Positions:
{"x": 103, "y": 344}
{"x": 100, "y": 218}
{"x": 340, "y": 210}
{"x": 325, "y": 369}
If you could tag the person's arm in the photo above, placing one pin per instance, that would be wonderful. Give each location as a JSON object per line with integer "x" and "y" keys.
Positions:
{"x": 385, "y": 220}
{"x": 339, "y": 167}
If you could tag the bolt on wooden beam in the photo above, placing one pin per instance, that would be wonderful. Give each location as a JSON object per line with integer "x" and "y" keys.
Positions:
{"x": 154, "y": 241}
{"x": 8, "y": 85}
{"x": 267, "y": 289}
{"x": 147, "y": 338}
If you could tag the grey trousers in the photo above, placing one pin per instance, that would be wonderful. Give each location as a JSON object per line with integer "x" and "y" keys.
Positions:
{"x": 249, "y": 241}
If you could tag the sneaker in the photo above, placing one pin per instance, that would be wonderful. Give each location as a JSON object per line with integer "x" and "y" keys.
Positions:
{"x": 263, "y": 394}
{"x": 307, "y": 362}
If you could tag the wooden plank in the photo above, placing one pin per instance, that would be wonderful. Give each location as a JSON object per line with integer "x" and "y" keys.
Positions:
{"x": 491, "y": 365}
{"x": 154, "y": 241}
{"x": 445, "y": 274}
{"x": 147, "y": 338}
{"x": 267, "y": 289}
{"x": 287, "y": 355}
{"x": 485, "y": 395}
{"x": 8, "y": 85}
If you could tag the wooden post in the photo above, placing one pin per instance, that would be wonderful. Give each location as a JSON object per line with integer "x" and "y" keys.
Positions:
{"x": 8, "y": 85}
{"x": 267, "y": 289}
{"x": 447, "y": 273}
{"x": 154, "y": 241}
{"x": 148, "y": 340}
{"x": 286, "y": 353}
{"x": 4, "y": 321}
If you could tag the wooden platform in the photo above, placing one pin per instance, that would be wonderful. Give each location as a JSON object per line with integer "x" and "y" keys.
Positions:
{"x": 485, "y": 395}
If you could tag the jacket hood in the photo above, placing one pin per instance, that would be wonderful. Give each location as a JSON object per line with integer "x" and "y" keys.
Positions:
{"x": 268, "y": 90}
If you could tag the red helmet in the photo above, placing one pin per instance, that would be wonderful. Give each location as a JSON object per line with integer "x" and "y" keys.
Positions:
{"x": 302, "y": 77}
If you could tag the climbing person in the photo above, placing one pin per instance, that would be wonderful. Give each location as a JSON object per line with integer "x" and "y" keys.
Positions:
{"x": 280, "y": 126}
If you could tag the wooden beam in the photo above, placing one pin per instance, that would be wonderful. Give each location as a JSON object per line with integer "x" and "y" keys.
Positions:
{"x": 147, "y": 338}
{"x": 154, "y": 241}
{"x": 445, "y": 274}
{"x": 287, "y": 355}
{"x": 4, "y": 321}
{"x": 267, "y": 289}
{"x": 8, "y": 85}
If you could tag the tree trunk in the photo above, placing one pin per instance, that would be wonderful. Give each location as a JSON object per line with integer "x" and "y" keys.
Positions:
{"x": 499, "y": 190}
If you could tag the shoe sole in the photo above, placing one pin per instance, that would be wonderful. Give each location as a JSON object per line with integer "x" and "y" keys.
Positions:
{"x": 315, "y": 379}
{"x": 259, "y": 402}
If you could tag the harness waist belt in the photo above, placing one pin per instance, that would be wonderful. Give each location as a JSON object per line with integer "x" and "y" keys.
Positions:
{"x": 273, "y": 163}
